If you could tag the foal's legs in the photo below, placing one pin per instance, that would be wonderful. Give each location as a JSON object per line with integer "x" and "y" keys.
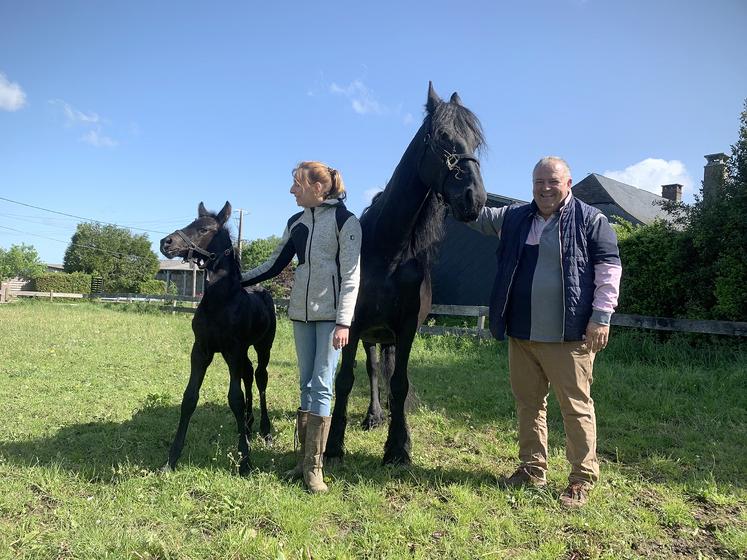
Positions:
{"x": 375, "y": 416}
{"x": 200, "y": 360}
{"x": 343, "y": 385}
{"x": 247, "y": 375}
{"x": 263, "y": 348}
{"x": 236, "y": 361}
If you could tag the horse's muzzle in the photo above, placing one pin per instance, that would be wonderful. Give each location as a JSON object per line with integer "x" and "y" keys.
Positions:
{"x": 468, "y": 207}
{"x": 167, "y": 247}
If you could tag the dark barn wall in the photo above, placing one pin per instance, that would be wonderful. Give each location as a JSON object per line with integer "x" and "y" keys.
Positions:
{"x": 465, "y": 267}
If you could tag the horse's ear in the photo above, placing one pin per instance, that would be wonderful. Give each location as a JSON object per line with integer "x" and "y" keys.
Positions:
{"x": 455, "y": 99}
{"x": 201, "y": 211}
{"x": 224, "y": 214}
{"x": 433, "y": 99}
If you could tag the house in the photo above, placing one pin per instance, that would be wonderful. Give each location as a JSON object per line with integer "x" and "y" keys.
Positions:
{"x": 620, "y": 200}
{"x": 188, "y": 279}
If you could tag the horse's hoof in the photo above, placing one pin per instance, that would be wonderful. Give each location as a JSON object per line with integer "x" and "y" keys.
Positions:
{"x": 333, "y": 462}
{"x": 166, "y": 469}
{"x": 245, "y": 469}
{"x": 372, "y": 421}
{"x": 268, "y": 439}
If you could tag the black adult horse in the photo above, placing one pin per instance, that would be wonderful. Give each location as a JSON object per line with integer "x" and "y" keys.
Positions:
{"x": 228, "y": 320}
{"x": 399, "y": 233}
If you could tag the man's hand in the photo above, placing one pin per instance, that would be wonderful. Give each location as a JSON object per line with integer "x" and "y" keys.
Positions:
{"x": 340, "y": 336}
{"x": 597, "y": 336}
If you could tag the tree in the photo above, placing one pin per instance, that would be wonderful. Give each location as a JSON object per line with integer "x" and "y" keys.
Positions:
{"x": 696, "y": 265}
{"x": 730, "y": 285}
{"x": 122, "y": 259}
{"x": 22, "y": 261}
{"x": 257, "y": 251}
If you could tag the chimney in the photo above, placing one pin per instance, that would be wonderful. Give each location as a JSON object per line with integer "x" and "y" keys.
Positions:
{"x": 672, "y": 192}
{"x": 714, "y": 173}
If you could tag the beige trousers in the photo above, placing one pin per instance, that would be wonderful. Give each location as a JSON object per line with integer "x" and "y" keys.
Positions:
{"x": 567, "y": 366}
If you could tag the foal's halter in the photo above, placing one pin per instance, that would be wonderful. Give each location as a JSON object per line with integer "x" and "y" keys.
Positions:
{"x": 205, "y": 258}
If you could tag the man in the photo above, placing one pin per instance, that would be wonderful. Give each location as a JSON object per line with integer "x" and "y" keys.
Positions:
{"x": 556, "y": 288}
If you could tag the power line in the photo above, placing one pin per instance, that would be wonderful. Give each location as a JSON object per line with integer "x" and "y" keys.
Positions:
{"x": 80, "y": 217}
{"x": 179, "y": 220}
{"x": 83, "y": 245}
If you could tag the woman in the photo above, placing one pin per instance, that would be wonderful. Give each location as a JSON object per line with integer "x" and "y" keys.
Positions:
{"x": 326, "y": 238}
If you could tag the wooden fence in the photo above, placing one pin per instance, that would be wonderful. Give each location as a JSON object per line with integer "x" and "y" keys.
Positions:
{"x": 480, "y": 313}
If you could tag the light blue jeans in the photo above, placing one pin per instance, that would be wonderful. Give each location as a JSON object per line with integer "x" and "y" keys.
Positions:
{"x": 317, "y": 362}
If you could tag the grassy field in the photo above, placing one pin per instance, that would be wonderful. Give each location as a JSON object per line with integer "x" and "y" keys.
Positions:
{"x": 89, "y": 400}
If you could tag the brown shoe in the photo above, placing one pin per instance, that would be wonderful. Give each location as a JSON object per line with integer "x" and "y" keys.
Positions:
{"x": 525, "y": 476}
{"x": 575, "y": 495}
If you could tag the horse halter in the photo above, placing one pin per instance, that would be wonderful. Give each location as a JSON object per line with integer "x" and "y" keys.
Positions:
{"x": 205, "y": 257}
{"x": 450, "y": 159}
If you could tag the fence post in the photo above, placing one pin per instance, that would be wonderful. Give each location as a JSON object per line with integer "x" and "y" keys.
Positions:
{"x": 3, "y": 288}
{"x": 480, "y": 325}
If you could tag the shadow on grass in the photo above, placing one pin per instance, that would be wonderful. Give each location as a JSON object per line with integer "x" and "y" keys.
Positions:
{"x": 98, "y": 451}
{"x": 93, "y": 449}
{"x": 671, "y": 409}
{"x": 665, "y": 411}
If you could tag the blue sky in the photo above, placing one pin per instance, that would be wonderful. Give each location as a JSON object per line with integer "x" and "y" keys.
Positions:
{"x": 134, "y": 112}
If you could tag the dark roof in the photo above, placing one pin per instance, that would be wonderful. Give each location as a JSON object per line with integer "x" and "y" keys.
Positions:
{"x": 175, "y": 264}
{"x": 496, "y": 200}
{"x": 614, "y": 198}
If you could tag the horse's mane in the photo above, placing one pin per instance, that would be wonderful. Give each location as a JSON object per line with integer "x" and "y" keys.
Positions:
{"x": 455, "y": 121}
{"x": 224, "y": 232}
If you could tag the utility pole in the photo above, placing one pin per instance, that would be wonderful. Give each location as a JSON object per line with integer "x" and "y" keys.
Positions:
{"x": 241, "y": 225}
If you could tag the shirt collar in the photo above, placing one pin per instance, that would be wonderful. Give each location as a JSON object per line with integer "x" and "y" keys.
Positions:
{"x": 566, "y": 201}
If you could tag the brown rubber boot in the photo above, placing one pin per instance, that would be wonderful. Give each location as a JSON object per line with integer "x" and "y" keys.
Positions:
{"x": 302, "y": 418}
{"x": 317, "y": 429}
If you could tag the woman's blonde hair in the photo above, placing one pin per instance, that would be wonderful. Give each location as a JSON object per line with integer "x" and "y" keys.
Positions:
{"x": 307, "y": 173}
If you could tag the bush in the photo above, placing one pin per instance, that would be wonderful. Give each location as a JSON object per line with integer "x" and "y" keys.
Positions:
{"x": 256, "y": 252}
{"x": 655, "y": 272}
{"x": 62, "y": 282}
{"x": 152, "y": 287}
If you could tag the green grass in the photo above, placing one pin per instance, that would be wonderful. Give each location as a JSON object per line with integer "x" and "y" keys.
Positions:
{"x": 89, "y": 400}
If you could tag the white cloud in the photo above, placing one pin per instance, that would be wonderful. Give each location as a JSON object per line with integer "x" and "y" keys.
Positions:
{"x": 91, "y": 122}
{"x": 95, "y": 138}
{"x": 368, "y": 194}
{"x": 74, "y": 116}
{"x": 651, "y": 173}
{"x": 361, "y": 98}
{"x": 12, "y": 96}
{"x": 408, "y": 119}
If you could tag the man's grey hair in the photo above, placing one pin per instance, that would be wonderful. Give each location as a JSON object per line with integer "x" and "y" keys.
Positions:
{"x": 550, "y": 160}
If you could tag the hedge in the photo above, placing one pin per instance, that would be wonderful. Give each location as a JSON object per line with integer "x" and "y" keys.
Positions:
{"x": 152, "y": 287}
{"x": 63, "y": 282}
